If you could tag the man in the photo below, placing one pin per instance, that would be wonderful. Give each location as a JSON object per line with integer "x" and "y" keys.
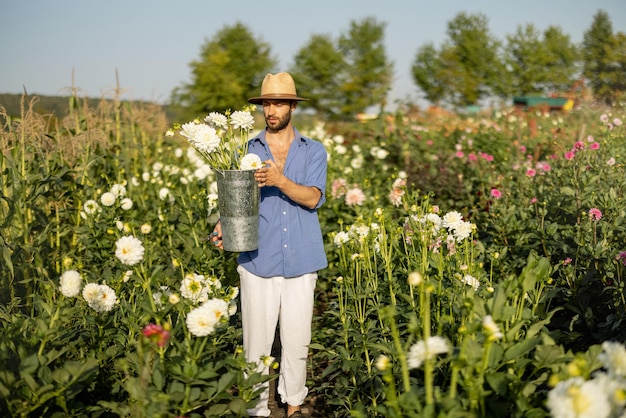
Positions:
{"x": 278, "y": 279}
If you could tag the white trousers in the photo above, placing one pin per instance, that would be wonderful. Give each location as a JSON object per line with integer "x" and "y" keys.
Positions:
{"x": 265, "y": 302}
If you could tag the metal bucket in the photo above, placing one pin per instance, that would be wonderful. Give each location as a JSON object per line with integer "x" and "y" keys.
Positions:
{"x": 238, "y": 203}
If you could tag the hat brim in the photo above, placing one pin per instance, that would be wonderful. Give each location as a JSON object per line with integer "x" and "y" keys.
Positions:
{"x": 259, "y": 100}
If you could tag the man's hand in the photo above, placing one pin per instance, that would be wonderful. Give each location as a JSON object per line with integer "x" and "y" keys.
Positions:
{"x": 269, "y": 175}
{"x": 216, "y": 236}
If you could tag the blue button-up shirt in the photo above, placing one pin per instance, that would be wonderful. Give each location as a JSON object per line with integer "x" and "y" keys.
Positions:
{"x": 290, "y": 237}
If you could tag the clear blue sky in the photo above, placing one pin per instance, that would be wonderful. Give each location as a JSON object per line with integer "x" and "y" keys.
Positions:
{"x": 151, "y": 42}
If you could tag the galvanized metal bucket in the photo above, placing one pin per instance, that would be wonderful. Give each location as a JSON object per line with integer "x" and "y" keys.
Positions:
{"x": 238, "y": 203}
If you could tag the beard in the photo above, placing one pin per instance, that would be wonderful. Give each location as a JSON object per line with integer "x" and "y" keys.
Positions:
{"x": 280, "y": 125}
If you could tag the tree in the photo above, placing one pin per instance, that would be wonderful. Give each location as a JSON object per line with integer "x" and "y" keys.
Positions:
{"x": 540, "y": 66}
{"x": 370, "y": 74}
{"x": 526, "y": 60}
{"x": 319, "y": 71}
{"x": 601, "y": 57}
{"x": 345, "y": 77}
{"x": 427, "y": 73}
{"x": 619, "y": 61}
{"x": 470, "y": 60}
{"x": 563, "y": 58}
{"x": 230, "y": 69}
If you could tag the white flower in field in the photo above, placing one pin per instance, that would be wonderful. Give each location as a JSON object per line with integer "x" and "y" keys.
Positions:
{"x": 268, "y": 360}
{"x": 212, "y": 201}
{"x": 242, "y": 120}
{"x": 70, "y": 283}
{"x": 203, "y": 137}
{"x": 118, "y": 190}
{"x": 357, "y": 162}
{"x": 107, "y": 199}
{"x": 232, "y": 308}
{"x": 157, "y": 167}
{"x": 107, "y": 300}
{"x": 145, "y": 176}
{"x": 90, "y": 291}
{"x": 338, "y": 139}
{"x": 615, "y": 389}
{"x": 360, "y": 230}
{"x": 217, "y": 120}
{"x": 146, "y": 228}
{"x": 178, "y": 152}
{"x": 159, "y": 296}
{"x": 134, "y": 181}
{"x": 99, "y": 297}
{"x": 173, "y": 298}
{"x": 415, "y": 279}
{"x": 169, "y": 133}
{"x": 382, "y": 362}
{"x": 214, "y": 282}
{"x": 613, "y": 357}
{"x": 218, "y": 309}
{"x": 165, "y": 194}
{"x": 202, "y": 320}
{"x": 193, "y": 288}
{"x": 119, "y": 225}
{"x": 451, "y": 220}
{"x": 129, "y": 250}
{"x": 491, "y": 329}
{"x": 434, "y": 219}
{"x": 471, "y": 281}
{"x": 251, "y": 162}
{"x": 126, "y": 203}
{"x": 577, "y": 398}
{"x": 127, "y": 275}
{"x": 378, "y": 152}
{"x": 341, "y": 238}
{"x": 426, "y": 350}
{"x": 463, "y": 230}
{"x": 340, "y": 149}
{"x": 199, "y": 322}
{"x": 234, "y": 292}
{"x": 91, "y": 206}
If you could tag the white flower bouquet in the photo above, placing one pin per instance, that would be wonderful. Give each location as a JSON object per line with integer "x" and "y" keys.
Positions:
{"x": 222, "y": 139}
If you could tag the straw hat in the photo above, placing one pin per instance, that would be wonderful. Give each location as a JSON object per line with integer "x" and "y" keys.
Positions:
{"x": 277, "y": 87}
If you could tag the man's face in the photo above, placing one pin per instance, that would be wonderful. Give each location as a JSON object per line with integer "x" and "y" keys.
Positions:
{"x": 277, "y": 114}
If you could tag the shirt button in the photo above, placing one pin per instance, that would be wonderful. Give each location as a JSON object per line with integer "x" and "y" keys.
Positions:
{"x": 285, "y": 245}
{"x": 285, "y": 229}
{"x": 284, "y": 213}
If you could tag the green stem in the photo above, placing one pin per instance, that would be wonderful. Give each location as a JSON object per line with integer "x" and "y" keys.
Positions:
{"x": 52, "y": 321}
{"x": 404, "y": 367}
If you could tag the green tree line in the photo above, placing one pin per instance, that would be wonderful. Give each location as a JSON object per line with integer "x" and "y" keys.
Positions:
{"x": 352, "y": 73}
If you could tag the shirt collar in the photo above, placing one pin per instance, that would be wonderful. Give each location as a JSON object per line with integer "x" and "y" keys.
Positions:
{"x": 261, "y": 137}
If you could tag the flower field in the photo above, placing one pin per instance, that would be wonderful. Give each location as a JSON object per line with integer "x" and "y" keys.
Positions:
{"x": 476, "y": 268}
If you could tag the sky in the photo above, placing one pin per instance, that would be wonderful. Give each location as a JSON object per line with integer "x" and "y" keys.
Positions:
{"x": 48, "y": 46}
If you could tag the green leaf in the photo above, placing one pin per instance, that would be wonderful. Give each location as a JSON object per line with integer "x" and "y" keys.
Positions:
{"x": 498, "y": 381}
{"x": 520, "y": 349}
{"x": 6, "y": 255}
{"x": 30, "y": 364}
{"x": 157, "y": 379}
